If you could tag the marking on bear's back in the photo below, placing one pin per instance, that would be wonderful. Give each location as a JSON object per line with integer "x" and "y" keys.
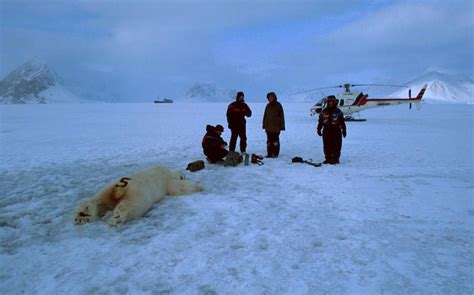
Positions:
{"x": 123, "y": 182}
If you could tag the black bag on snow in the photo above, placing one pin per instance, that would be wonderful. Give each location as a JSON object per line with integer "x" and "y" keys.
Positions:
{"x": 309, "y": 162}
{"x": 257, "y": 159}
{"x": 297, "y": 160}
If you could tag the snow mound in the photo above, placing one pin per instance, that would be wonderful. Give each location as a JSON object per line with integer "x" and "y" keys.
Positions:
{"x": 59, "y": 94}
{"x": 442, "y": 87}
{"x": 34, "y": 82}
{"x": 303, "y": 97}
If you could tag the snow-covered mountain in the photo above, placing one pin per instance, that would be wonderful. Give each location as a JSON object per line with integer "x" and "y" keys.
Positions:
{"x": 209, "y": 92}
{"x": 442, "y": 87}
{"x": 34, "y": 82}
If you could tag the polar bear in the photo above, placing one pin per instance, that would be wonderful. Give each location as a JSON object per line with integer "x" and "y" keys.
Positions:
{"x": 132, "y": 196}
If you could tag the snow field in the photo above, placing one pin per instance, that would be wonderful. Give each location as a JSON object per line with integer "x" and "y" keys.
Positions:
{"x": 395, "y": 217}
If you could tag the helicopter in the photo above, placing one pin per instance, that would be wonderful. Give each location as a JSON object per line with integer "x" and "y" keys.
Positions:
{"x": 353, "y": 102}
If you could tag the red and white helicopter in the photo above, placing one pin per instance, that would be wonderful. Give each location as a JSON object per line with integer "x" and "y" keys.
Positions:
{"x": 354, "y": 102}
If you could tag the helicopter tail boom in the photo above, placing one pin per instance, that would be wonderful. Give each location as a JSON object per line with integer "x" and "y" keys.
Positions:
{"x": 422, "y": 92}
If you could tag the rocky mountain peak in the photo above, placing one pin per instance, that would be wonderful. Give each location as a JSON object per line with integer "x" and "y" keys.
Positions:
{"x": 28, "y": 83}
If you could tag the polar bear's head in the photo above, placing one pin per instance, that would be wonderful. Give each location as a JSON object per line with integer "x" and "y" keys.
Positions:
{"x": 178, "y": 185}
{"x": 179, "y": 176}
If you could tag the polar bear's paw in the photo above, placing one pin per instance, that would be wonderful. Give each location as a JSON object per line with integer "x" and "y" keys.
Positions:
{"x": 86, "y": 213}
{"x": 119, "y": 216}
{"x": 199, "y": 188}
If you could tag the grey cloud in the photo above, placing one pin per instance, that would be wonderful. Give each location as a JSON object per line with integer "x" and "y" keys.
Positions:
{"x": 143, "y": 48}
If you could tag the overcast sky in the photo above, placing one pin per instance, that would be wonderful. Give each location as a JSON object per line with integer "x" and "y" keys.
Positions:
{"x": 137, "y": 50}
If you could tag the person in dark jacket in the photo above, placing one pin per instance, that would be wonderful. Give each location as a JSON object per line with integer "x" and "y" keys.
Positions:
{"x": 273, "y": 123}
{"x": 213, "y": 145}
{"x": 236, "y": 113}
{"x": 332, "y": 128}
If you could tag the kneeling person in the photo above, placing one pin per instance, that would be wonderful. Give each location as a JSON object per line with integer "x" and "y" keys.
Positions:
{"x": 213, "y": 145}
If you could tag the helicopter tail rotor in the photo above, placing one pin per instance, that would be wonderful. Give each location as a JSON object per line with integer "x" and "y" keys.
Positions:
{"x": 409, "y": 96}
{"x": 418, "y": 98}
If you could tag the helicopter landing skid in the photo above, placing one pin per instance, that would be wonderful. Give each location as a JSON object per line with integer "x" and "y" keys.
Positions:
{"x": 352, "y": 119}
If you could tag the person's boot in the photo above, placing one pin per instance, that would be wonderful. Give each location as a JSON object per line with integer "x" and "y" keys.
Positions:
{"x": 269, "y": 150}
{"x": 332, "y": 160}
{"x": 276, "y": 149}
{"x": 327, "y": 159}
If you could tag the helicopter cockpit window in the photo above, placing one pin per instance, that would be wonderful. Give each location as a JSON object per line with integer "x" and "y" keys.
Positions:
{"x": 321, "y": 102}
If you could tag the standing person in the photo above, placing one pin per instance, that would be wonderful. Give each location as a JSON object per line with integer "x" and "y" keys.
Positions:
{"x": 332, "y": 128}
{"x": 214, "y": 147}
{"x": 273, "y": 123}
{"x": 236, "y": 113}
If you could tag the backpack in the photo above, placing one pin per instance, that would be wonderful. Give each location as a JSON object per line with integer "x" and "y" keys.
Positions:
{"x": 232, "y": 159}
{"x": 196, "y": 166}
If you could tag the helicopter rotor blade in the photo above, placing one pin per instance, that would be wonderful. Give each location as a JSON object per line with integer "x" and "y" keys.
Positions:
{"x": 351, "y": 85}
{"x": 380, "y": 85}
{"x": 305, "y": 91}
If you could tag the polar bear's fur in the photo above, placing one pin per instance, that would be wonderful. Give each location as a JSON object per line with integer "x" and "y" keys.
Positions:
{"x": 132, "y": 196}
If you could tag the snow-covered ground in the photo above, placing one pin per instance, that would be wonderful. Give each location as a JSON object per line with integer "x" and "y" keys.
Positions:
{"x": 396, "y": 217}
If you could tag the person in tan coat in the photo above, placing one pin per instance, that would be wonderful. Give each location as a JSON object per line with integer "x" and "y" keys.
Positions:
{"x": 273, "y": 123}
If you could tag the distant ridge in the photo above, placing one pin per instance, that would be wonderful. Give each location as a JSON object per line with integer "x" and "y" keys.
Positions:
{"x": 209, "y": 92}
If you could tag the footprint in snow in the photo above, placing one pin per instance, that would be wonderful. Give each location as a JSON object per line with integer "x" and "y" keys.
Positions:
{"x": 317, "y": 244}
{"x": 341, "y": 237}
